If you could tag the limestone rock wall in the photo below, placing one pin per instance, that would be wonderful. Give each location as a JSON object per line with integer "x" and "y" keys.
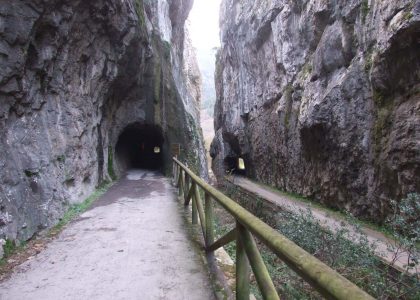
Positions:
{"x": 73, "y": 75}
{"x": 322, "y": 98}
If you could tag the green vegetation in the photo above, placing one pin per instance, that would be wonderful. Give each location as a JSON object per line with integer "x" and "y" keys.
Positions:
{"x": 222, "y": 229}
{"x": 30, "y": 173}
{"x": 9, "y": 248}
{"x": 306, "y": 69}
{"x": 287, "y": 95}
{"x": 355, "y": 260}
{"x": 12, "y": 247}
{"x": 302, "y": 199}
{"x": 385, "y": 107}
{"x": 408, "y": 16}
{"x": 76, "y": 209}
{"x": 188, "y": 155}
{"x": 383, "y": 121}
{"x": 368, "y": 63}
{"x": 288, "y": 90}
{"x": 364, "y": 9}
{"x": 404, "y": 223}
{"x": 111, "y": 171}
{"x": 388, "y": 231}
{"x": 167, "y": 50}
{"x": 139, "y": 6}
{"x": 378, "y": 98}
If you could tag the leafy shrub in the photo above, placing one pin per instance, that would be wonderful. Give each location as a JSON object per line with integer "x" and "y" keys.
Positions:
{"x": 348, "y": 251}
{"x": 404, "y": 223}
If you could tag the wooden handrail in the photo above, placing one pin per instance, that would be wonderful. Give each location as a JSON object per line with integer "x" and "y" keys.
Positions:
{"x": 325, "y": 280}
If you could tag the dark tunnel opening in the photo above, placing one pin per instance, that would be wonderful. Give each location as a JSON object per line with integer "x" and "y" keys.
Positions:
{"x": 235, "y": 165}
{"x": 140, "y": 147}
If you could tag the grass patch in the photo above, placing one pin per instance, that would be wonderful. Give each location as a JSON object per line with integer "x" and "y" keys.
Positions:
{"x": 10, "y": 248}
{"x": 299, "y": 198}
{"x": 385, "y": 230}
{"x": 223, "y": 223}
{"x": 77, "y": 209}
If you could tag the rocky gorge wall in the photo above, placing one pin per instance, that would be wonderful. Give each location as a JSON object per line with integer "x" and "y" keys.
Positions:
{"x": 73, "y": 75}
{"x": 322, "y": 98}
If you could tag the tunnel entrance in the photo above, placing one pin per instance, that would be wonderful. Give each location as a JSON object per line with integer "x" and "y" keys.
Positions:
{"x": 139, "y": 146}
{"x": 235, "y": 165}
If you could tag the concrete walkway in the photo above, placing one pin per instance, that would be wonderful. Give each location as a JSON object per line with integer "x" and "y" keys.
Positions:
{"x": 384, "y": 247}
{"x": 132, "y": 244}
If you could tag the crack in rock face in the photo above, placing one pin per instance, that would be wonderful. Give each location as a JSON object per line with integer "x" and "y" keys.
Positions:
{"x": 74, "y": 76}
{"x": 321, "y": 98}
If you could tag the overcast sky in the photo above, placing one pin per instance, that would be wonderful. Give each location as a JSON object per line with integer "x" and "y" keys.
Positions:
{"x": 204, "y": 20}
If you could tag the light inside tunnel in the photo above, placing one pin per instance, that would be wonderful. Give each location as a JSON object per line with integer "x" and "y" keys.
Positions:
{"x": 241, "y": 164}
{"x": 139, "y": 147}
{"x": 235, "y": 165}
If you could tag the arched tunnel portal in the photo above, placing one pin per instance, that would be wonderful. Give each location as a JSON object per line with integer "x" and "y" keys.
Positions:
{"x": 139, "y": 146}
{"x": 235, "y": 165}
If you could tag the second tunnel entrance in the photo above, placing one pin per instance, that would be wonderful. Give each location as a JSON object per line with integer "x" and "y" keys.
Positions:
{"x": 139, "y": 146}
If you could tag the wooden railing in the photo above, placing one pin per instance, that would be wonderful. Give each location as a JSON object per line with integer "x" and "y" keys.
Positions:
{"x": 321, "y": 277}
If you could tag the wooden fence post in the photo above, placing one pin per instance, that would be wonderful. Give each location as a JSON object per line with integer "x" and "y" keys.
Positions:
{"x": 242, "y": 267}
{"x": 209, "y": 220}
{"x": 194, "y": 208}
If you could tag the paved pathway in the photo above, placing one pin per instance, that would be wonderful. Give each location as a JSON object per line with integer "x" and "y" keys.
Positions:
{"x": 331, "y": 221}
{"x": 132, "y": 244}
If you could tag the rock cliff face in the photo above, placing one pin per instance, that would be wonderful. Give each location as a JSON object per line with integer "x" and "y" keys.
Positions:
{"x": 322, "y": 98}
{"x": 74, "y": 75}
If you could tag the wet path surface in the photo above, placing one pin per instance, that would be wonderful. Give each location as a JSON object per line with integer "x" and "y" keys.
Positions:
{"x": 132, "y": 244}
